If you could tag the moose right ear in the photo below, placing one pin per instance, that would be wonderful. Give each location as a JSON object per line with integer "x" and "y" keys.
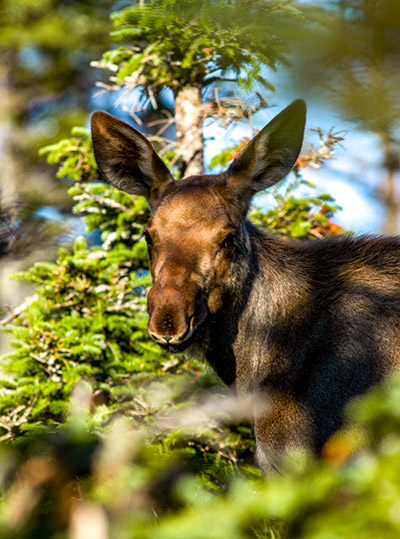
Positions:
{"x": 269, "y": 157}
{"x": 127, "y": 159}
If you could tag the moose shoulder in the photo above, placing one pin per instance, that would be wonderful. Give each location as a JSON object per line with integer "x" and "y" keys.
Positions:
{"x": 306, "y": 325}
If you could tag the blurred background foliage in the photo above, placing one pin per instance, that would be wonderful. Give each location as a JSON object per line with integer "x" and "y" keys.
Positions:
{"x": 355, "y": 70}
{"x": 103, "y": 434}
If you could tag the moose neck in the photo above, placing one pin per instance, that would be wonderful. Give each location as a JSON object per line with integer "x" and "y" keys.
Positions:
{"x": 269, "y": 293}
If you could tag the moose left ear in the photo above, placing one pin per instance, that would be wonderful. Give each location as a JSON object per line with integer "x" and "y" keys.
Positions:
{"x": 127, "y": 159}
{"x": 270, "y": 156}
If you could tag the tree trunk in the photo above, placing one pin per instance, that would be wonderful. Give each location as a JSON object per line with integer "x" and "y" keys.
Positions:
{"x": 11, "y": 292}
{"x": 392, "y": 209}
{"x": 9, "y": 170}
{"x": 189, "y": 131}
{"x": 390, "y": 197}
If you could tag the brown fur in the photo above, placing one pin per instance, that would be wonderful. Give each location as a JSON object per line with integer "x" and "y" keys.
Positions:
{"x": 302, "y": 326}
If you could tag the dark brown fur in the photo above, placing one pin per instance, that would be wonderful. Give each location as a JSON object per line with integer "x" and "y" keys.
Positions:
{"x": 302, "y": 326}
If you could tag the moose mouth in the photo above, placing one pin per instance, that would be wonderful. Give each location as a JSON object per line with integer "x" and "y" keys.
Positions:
{"x": 176, "y": 347}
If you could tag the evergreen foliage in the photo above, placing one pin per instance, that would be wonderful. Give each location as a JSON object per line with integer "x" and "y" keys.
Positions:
{"x": 84, "y": 322}
{"x": 211, "y": 55}
{"x": 299, "y": 217}
{"x": 174, "y": 44}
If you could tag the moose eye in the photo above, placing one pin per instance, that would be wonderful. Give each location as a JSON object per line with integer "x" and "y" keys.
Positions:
{"x": 229, "y": 242}
{"x": 148, "y": 239}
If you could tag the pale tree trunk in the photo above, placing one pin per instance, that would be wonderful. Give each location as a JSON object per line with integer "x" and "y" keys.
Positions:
{"x": 390, "y": 196}
{"x": 189, "y": 132}
{"x": 392, "y": 207}
{"x": 11, "y": 292}
{"x": 9, "y": 170}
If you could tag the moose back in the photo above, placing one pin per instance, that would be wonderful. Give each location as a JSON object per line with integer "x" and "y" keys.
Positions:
{"x": 307, "y": 325}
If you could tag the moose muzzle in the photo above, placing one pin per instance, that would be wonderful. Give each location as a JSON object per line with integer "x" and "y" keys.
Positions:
{"x": 175, "y": 311}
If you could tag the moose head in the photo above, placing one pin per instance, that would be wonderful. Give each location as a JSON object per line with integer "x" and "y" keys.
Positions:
{"x": 197, "y": 234}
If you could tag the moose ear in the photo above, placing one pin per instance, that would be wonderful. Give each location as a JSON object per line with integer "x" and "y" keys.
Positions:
{"x": 127, "y": 159}
{"x": 270, "y": 156}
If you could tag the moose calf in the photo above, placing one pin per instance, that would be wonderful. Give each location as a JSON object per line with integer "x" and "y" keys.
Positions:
{"x": 308, "y": 325}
